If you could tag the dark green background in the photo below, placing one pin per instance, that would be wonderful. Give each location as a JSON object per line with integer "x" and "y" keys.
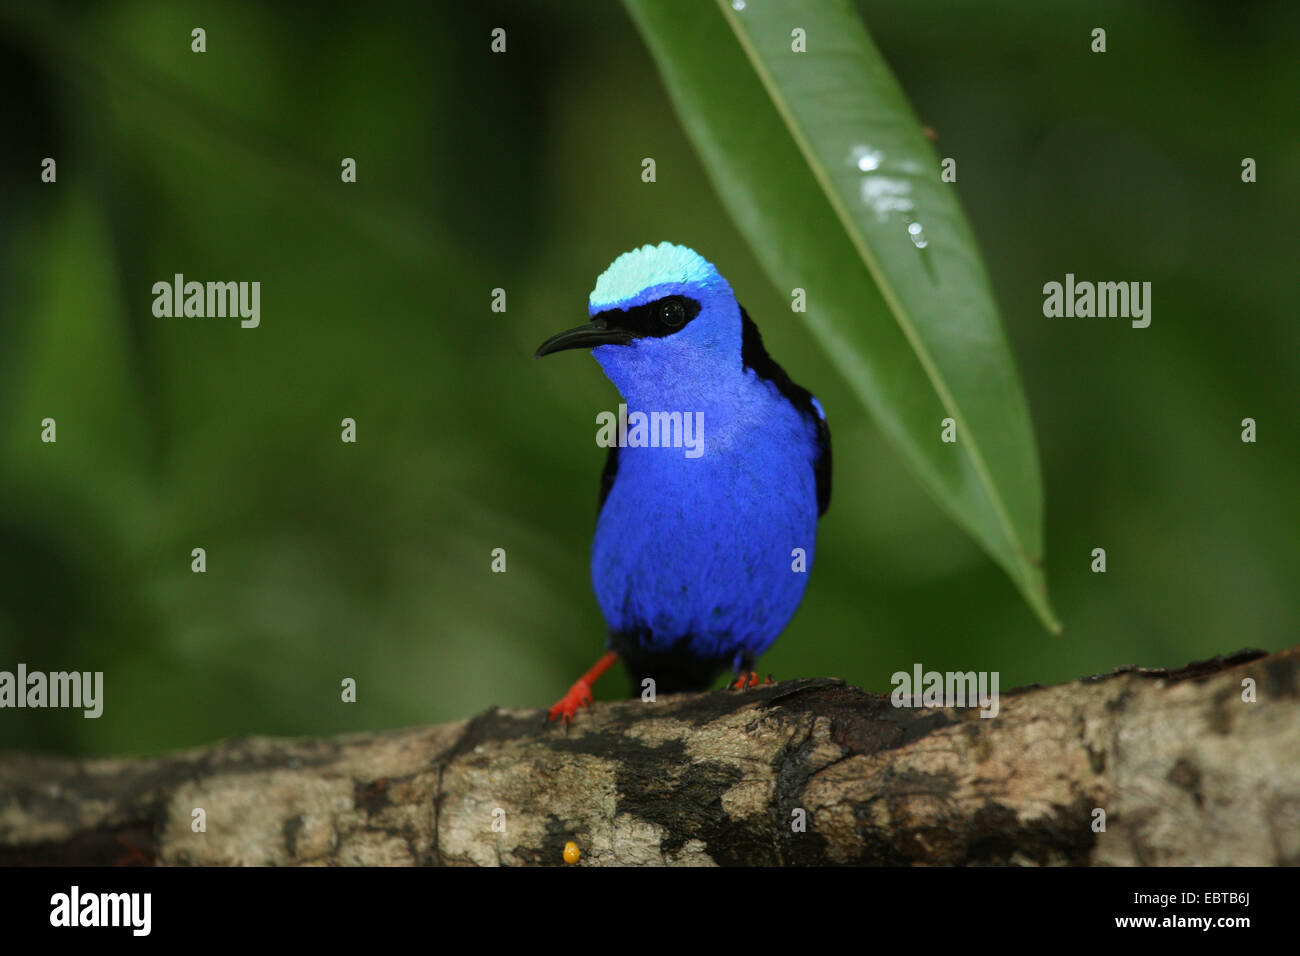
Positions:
{"x": 522, "y": 171}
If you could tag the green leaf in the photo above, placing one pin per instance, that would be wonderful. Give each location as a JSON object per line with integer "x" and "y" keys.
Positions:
{"x": 821, "y": 162}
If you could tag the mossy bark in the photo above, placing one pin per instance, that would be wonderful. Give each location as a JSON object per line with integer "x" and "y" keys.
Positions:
{"x": 1184, "y": 767}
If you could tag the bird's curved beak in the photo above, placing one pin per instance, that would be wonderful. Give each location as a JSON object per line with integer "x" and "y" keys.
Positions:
{"x": 596, "y": 332}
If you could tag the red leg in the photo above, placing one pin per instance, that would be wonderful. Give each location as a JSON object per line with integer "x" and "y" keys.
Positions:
{"x": 746, "y": 680}
{"x": 579, "y": 694}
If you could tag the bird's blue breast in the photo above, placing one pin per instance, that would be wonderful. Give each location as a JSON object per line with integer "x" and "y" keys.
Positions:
{"x": 706, "y": 550}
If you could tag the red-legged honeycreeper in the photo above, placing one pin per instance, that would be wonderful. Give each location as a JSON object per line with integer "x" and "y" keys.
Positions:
{"x": 703, "y": 545}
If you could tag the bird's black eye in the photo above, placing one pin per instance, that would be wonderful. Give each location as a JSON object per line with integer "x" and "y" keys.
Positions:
{"x": 672, "y": 313}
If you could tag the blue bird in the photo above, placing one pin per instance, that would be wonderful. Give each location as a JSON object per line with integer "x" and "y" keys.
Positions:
{"x": 708, "y": 518}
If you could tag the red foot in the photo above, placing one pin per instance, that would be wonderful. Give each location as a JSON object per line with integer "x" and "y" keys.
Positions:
{"x": 579, "y": 694}
{"x": 747, "y": 680}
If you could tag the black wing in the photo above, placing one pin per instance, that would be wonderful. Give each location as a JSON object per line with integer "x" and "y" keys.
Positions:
{"x": 607, "y": 476}
{"x": 754, "y": 355}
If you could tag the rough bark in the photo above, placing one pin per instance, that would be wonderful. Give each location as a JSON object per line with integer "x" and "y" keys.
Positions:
{"x": 1186, "y": 771}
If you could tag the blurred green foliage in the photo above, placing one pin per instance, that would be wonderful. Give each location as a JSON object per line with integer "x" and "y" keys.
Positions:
{"x": 522, "y": 171}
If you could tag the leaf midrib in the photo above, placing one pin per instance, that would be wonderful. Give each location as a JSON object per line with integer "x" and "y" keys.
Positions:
{"x": 901, "y": 315}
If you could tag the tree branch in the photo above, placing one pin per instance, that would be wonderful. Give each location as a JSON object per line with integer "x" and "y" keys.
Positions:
{"x": 1186, "y": 771}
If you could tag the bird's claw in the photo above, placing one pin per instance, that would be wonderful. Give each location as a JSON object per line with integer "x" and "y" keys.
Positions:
{"x": 566, "y": 707}
{"x": 747, "y": 680}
